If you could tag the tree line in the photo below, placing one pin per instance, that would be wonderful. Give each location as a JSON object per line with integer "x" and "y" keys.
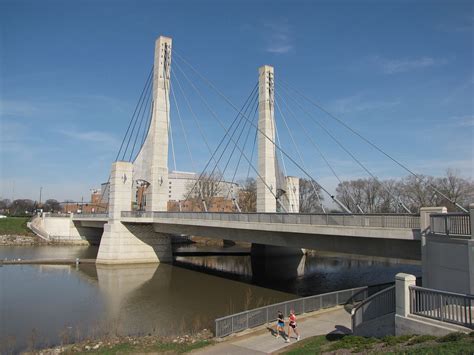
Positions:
{"x": 22, "y": 207}
{"x": 386, "y": 196}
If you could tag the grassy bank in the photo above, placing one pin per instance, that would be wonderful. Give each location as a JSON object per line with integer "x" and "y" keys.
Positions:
{"x": 107, "y": 345}
{"x": 14, "y": 226}
{"x": 455, "y": 343}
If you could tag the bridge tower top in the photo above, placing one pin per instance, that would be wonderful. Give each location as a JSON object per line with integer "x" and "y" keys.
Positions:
{"x": 266, "y": 201}
{"x": 151, "y": 164}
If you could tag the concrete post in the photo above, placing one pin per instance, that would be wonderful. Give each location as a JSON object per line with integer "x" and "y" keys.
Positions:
{"x": 402, "y": 294}
{"x": 471, "y": 214}
{"x": 293, "y": 194}
{"x": 266, "y": 148}
{"x": 151, "y": 163}
{"x": 120, "y": 195}
{"x": 425, "y": 213}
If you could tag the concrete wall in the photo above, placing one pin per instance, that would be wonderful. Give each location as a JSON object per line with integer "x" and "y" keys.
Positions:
{"x": 413, "y": 324}
{"x": 64, "y": 229}
{"x": 378, "y": 327}
{"x": 448, "y": 264}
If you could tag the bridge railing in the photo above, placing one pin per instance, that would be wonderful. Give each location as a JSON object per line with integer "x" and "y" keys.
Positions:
{"x": 377, "y": 305}
{"x": 90, "y": 215}
{"x": 367, "y": 220}
{"x": 255, "y": 317}
{"x": 445, "y": 306}
{"x": 451, "y": 224}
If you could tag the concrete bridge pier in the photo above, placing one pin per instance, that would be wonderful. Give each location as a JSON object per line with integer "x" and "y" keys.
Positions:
{"x": 275, "y": 262}
{"x": 129, "y": 243}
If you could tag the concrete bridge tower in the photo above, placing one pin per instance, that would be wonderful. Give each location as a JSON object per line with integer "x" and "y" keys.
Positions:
{"x": 151, "y": 164}
{"x": 122, "y": 243}
{"x": 266, "y": 201}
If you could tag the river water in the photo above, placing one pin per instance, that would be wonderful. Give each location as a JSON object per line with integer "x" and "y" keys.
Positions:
{"x": 45, "y": 305}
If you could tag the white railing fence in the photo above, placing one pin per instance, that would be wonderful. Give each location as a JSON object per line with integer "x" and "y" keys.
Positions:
{"x": 445, "y": 306}
{"x": 375, "y": 306}
{"x": 451, "y": 224}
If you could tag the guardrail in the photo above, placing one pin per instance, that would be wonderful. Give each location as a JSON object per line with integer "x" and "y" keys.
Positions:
{"x": 375, "y": 306}
{"x": 54, "y": 215}
{"x": 445, "y": 306}
{"x": 373, "y": 220}
{"x": 253, "y": 318}
{"x": 451, "y": 224}
{"x": 90, "y": 215}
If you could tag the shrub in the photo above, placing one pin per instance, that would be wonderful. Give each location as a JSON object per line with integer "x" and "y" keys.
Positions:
{"x": 451, "y": 337}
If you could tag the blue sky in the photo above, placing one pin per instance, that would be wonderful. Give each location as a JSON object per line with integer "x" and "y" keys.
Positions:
{"x": 71, "y": 72}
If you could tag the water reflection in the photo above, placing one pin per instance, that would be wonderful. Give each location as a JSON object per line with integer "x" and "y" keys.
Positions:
{"x": 63, "y": 303}
{"x": 303, "y": 275}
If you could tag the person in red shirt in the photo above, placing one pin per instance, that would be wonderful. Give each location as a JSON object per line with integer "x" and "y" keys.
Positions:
{"x": 292, "y": 324}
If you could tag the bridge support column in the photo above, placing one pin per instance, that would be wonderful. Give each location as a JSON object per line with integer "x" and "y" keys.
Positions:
{"x": 266, "y": 201}
{"x": 269, "y": 261}
{"x": 126, "y": 243}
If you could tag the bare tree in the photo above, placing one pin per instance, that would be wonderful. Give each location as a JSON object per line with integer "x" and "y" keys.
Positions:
{"x": 248, "y": 195}
{"x": 22, "y": 207}
{"x": 310, "y": 197}
{"x": 456, "y": 188}
{"x": 51, "y": 205}
{"x": 202, "y": 191}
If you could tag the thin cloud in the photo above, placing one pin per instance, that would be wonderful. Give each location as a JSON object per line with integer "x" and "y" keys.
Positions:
{"x": 278, "y": 34}
{"x": 357, "y": 103}
{"x": 394, "y": 66}
{"x": 103, "y": 138}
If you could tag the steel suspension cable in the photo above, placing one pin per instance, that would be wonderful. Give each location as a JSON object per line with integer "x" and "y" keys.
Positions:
{"x": 136, "y": 120}
{"x": 182, "y": 128}
{"x": 316, "y": 146}
{"x": 297, "y": 150}
{"x": 140, "y": 124}
{"x": 210, "y": 84}
{"x": 375, "y": 146}
{"x": 253, "y": 104}
{"x": 223, "y": 138}
{"x": 133, "y": 115}
{"x": 397, "y": 199}
{"x": 245, "y": 143}
{"x": 193, "y": 115}
{"x": 246, "y": 118}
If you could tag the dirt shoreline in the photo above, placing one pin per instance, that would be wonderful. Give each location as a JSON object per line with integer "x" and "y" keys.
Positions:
{"x": 22, "y": 240}
{"x": 131, "y": 344}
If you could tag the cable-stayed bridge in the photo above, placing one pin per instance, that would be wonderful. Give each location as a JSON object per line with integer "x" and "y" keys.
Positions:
{"x": 138, "y": 221}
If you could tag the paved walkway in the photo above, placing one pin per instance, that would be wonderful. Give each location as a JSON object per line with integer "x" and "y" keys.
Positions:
{"x": 264, "y": 342}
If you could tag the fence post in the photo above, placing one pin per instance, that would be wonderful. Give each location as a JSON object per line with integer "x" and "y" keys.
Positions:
{"x": 402, "y": 293}
{"x": 441, "y": 308}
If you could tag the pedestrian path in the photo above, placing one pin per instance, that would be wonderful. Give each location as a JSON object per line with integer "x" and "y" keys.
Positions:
{"x": 337, "y": 321}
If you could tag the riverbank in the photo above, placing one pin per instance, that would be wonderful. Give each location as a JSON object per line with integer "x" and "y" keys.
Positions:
{"x": 133, "y": 345}
{"x": 21, "y": 240}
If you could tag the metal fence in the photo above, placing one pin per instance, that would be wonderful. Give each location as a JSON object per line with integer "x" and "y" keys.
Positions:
{"x": 253, "y": 318}
{"x": 377, "y": 305}
{"x": 372, "y": 220}
{"x": 90, "y": 215}
{"x": 451, "y": 224}
{"x": 448, "y": 307}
